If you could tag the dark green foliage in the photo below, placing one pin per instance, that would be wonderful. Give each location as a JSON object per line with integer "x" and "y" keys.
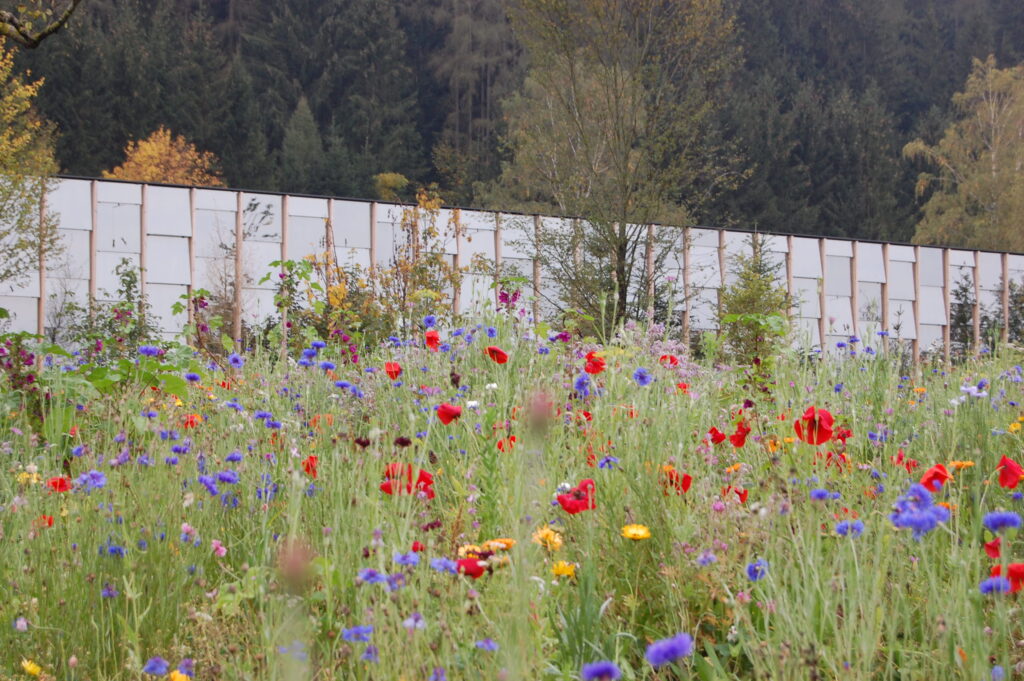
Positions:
{"x": 828, "y": 93}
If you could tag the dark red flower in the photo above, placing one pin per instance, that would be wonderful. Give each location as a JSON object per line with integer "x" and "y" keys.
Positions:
{"x": 59, "y": 484}
{"x": 393, "y": 370}
{"x": 497, "y": 354}
{"x": 815, "y": 426}
{"x": 935, "y": 477}
{"x": 448, "y": 413}
{"x": 579, "y": 498}
{"x": 1010, "y": 473}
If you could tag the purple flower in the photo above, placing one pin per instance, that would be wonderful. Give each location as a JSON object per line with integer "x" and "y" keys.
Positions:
{"x": 997, "y": 521}
{"x": 371, "y": 576}
{"x": 487, "y": 644}
{"x": 916, "y": 511}
{"x": 851, "y": 528}
{"x": 444, "y": 565}
{"x": 604, "y": 670}
{"x": 757, "y": 570}
{"x": 410, "y": 559}
{"x": 643, "y": 377}
{"x": 706, "y": 558}
{"x": 360, "y": 634}
{"x": 666, "y": 650}
{"x": 149, "y": 350}
{"x": 235, "y": 360}
{"x": 192, "y": 377}
{"x": 994, "y": 585}
{"x": 91, "y": 480}
{"x": 438, "y": 674}
{"x": 157, "y": 666}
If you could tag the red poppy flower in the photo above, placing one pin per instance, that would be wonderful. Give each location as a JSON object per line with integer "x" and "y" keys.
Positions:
{"x": 901, "y": 459}
{"x": 717, "y": 436}
{"x": 739, "y": 438}
{"x": 992, "y": 548}
{"x": 394, "y": 473}
{"x": 815, "y": 426}
{"x": 842, "y": 435}
{"x": 595, "y": 363}
{"x": 740, "y": 493}
{"x": 59, "y": 484}
{"x": 579, "y": 498}
{"x": 669, "y": 361}
{"x": 192, "y": 420}
{"x": 448, "y": 413}
{"x": 1014, "y": 572}
{"x": 935, "y": 476}
{"x": 497, "y": 354}
{"x": 1010, "y": 473}
{"x": 393, "y": 370}
{"x": 506, "y": 444}
{"x": 418, "y": 546}
{"x": 74, "y": 431}
{"x": 471, "y": 567}
{"x": 309, "y": 465}
{"x": 683, "y": 387}
{"x": 433, "y": 339}
{"x": 671, "y": 479}
{"x": 43, "y": 521}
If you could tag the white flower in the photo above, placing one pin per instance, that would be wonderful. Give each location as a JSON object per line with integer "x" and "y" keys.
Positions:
{"x": 472, "y": 404}
{"x": 491, "y": 386}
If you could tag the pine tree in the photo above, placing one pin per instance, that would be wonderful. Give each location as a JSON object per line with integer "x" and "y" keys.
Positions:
{"x": 302, "y": 152}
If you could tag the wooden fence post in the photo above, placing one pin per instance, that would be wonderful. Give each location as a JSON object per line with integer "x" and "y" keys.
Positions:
{"x": 95, "y": 218}
{"x": 537, "y": 235}
{"x": 854, "y": 292}
{"x": 976, "y": 319}
{"x": 191, "y": 253}
{"x": 457, "y": 262}
{"x": 885, "y": 297}
{"x": 916, "y": 306}
{"x": 1006, "y": 298}
{"x": 497, "y": 257}
{"x": 687, "y": 294}
{"x": 822, "y": 297}
{"x": 143, "y": 260}
{"x": 649, "y": 269}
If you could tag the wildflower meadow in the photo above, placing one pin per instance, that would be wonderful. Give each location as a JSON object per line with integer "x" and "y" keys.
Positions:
{"x": 505, "y": 500}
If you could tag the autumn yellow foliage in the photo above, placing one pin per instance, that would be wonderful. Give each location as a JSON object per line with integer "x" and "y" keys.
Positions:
{"x": 162, "y": 157}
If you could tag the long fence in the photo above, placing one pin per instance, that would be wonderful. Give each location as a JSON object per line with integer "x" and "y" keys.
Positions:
{"x": 185, "y": 238}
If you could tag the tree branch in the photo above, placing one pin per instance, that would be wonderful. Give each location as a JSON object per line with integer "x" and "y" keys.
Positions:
{"x": 11, "y": 26}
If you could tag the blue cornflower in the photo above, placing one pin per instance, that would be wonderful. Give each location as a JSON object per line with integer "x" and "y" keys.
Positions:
{"x": 998, "y": 673}
{"x": 309, "y": 353}
{"x": 236, "y": 360}
{"x": 820, "y": 495}
{"x": 328, "y": 366}
{"x": 359, "y": 634}
{"x": 667, "y": 650}
{"x": 274, "y": 425}
{"x": 444, "y": 565}
{"x": 997, "y": 521}
{"x": 757, "y": 570}
{"x": 234, "y": 457}
{"x": 838, "y": 388}
{"x": 305, "y": 363}
{"x": 209, "y": 483}
{"x": 344, "y": 385}
{"x": 192, "y": 377}
{"x": 409, "y": 559}
{"x": 991, "y": 585}
{"x": 487, "y": 644}
{"x": 492, "y": 332}
{"x": 92, "y": 480}
{"x": 318, "y": 344}
{"x": 230, "y": 477}
{"x": 157, "y": 666}
{"x": 543, "y": 350}
{"x": 582, "y": 385}
{"x": 642, "y": 377}
{"x": 430, "y": 321}
{"x": 438, "y": 674}
{"x": 706, "y": 558}
{"x": 108, "y": 591}
{"x": 149, "y": 350}
{"x": 851, "y": 528}
{"x": 371, "y": 654}
{"x": 605, "y": 670}
{"x": 916, "y": 511}
{"x": 608, "y": 462}
{"x": 187, "y": 666}
{"x": 371, "y": 576}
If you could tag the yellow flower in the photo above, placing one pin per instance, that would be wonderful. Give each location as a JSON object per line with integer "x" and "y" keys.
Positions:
{"x": 1014, "y": 427}
{"x": 175, "y": 675}
{"x": 470, "y": 551}
{"x": 548, "y": 538}
{"x": 564, "y": 569}
{"x": 30, "y": 667}
{"x": 636, "y": 532}
{"x": 789, "y": 440}
{"x": 26, "y": 478}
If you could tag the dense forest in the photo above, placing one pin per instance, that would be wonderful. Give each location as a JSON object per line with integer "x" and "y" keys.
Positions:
{"x": 320, "y": 96}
